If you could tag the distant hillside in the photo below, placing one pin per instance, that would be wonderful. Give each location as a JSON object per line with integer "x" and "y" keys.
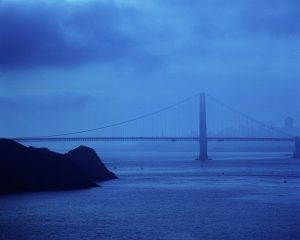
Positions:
{"x": 37, "y": 169}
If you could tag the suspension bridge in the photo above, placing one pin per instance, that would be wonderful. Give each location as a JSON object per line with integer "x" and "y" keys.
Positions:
{"x": 189, "y": 120}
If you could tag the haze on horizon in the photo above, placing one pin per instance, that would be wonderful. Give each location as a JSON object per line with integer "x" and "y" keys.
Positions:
{"x": 69, "y": 65}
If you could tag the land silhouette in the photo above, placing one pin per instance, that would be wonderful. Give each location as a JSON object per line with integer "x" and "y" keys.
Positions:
{"x": 39, "y": 169}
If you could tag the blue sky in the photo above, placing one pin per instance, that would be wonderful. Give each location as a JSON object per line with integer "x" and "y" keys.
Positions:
{"x": 80, "y": 64}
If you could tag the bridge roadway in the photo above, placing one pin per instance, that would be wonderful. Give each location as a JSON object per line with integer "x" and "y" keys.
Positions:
{"x": 153, "y": 139}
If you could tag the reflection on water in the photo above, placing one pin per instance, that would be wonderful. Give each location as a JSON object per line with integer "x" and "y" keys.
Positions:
{"x": 168, "y": 196}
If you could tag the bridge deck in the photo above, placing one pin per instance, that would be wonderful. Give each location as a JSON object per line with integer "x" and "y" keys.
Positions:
{"x": 153, "y": 139}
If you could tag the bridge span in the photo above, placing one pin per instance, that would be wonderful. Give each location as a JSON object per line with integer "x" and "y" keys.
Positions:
{"x": 201, "y": 137}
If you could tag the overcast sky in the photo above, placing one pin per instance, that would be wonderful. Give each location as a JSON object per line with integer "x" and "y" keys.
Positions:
{"x": 72, "y": 65}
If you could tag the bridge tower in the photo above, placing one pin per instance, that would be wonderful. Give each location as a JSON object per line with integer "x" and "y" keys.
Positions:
{"x": 202, "y": 129}
{"x": 297, "y": 147}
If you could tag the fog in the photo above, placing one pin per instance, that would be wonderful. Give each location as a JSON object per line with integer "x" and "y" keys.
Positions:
{"x": 75, "y": 65}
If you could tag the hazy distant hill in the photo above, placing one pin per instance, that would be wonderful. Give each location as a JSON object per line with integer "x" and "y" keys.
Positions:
{"x": 28, "y": 169}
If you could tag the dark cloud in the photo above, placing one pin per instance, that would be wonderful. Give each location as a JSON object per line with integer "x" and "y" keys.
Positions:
{"x": 213, "y": 19}
{"x": 63, "y": 34}
{"x": 41, "y": 103}
{"x": 275, "y": 18}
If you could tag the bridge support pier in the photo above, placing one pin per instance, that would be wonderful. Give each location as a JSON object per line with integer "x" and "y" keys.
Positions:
{"x": 202, "y": 129}
{"x": 297, "y": 147}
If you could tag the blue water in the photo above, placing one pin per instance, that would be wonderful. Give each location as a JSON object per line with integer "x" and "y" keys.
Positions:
{"x": 168, "y": 196}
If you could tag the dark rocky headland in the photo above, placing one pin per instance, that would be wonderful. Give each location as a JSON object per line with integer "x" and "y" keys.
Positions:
{"x": 39, "y": 169}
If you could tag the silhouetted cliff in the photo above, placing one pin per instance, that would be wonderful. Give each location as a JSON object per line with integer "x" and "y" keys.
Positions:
{"x": 87, "y": 159}
{"x": 36, "y": 169}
